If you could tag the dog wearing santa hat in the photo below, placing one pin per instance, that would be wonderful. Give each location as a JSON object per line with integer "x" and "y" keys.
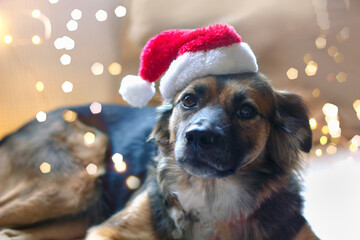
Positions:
{"x": 229, "y": 144}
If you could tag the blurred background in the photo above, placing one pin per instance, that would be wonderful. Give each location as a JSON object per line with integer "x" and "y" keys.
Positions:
{"x": 56, "y": 53}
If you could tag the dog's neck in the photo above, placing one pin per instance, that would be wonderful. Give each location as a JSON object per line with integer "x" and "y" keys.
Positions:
{"x": 199, "y": 205}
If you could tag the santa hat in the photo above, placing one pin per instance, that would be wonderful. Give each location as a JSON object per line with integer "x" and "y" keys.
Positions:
{"x": 182, "y": 55}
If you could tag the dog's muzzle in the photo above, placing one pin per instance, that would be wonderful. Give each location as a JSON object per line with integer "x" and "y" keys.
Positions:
{"x": 202, "y": 135}
{"x": 204, "y": 147}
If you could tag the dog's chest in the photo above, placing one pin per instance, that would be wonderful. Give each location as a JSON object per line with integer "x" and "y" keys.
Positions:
{"x": 210, "y": 212}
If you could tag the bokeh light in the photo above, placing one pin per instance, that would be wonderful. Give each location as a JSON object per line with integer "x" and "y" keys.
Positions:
{"x": 67, "y": 87}
{"x": 36, "y": 40}
{"x": 39, "y": 86}
{"x": 133, "y": 182}
{"x": 91, "y": 169}
{"x": 292, "y": 73}
{"x": 323, "y": 140}
{"x": 72, "y": 25}
{"x": 341, "y": 77}
{"x": 76, "y": 14}
{"x": 8, "y": 39}
{"x": 69, "y": 116}
{"x": 89, "y": 139}
{"x": 318, "y": 152}
{"x": 53, "y": 1}
{"x": 114, "y": 68}
{"x": 120, "y": 11}
{"x": 316, "y": 92}
{"x": 101, "y": 15}
{"x": 313, "y": 123}
{"x": 41, "y": 116}
{"x": 311, "y": 68}
{"x": 65, "y": 59}
{"x": 36, "y": 13}
{"x": 45, "y": 167}
{"x": 97, "y": 69}
{"x": 95, "y": 108}
{"x": 320, "y": 42}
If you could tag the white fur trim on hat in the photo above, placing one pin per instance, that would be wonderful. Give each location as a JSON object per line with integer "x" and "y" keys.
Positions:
{"x": 236, "y": 58}
{"x": 136, "y": 91}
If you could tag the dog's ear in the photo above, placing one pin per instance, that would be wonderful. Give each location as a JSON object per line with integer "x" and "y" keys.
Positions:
{"x": 291, "y": 117}
{"x": 160, "y": 132}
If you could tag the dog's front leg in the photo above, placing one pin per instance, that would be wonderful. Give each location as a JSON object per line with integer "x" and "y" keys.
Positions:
{"x": 134, "y": 222}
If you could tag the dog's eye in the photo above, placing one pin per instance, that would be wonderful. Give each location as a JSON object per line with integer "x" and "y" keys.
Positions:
{"x": 188, "y": 101}
{"x": 247, "y": 111}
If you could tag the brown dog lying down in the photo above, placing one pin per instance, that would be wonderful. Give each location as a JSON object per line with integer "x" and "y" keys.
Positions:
{"x": 48, "y": 191}
{"x": 227, "y": 166}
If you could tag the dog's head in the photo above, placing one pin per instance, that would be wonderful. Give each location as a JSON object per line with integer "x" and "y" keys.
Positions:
{"x": 219, "y": 124}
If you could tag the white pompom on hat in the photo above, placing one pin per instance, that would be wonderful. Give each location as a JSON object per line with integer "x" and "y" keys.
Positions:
{"x": 183, "y": 55}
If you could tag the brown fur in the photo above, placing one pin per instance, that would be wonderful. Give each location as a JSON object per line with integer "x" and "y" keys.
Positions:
{"x": 260, "y": 200}
{"x": 28, "y": 197}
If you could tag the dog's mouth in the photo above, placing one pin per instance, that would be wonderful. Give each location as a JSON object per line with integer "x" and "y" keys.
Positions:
{"x": 204, "y": 167}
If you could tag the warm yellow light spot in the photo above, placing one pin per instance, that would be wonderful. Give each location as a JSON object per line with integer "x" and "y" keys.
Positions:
{"x": 316, "y": 92}
{"x": 97, "y": 68}
{"x": 120, "y": 167}
{"x": 67, "y": 87}
{"x": 356, "y": 105}
{"x": 331, "y": 150}
{"x": 101, "y": 15}
{"x": 353, "y": 148}
{"x": 76, "y": 14}
{"x": 133, "y": 182}
{"x": 36, "y": 13}
{"x": 95, "y": 108}
{"x": 89, "y": 139}
{"x": 335, "y": 140}
{"x": 323, "y": 140}
{"x": 120, "y": 11}
{"x": 358, "y": 115}
{"x": 119, "y": 164}
{"x": 36, "y": 40}
{"x": 320, "y": 42}
{"x": 330, "y": 110}
{"x": 325, "y": 130}
{"x": 318, "y": 152}
{"x": 8, "y": 39}
{"x": 332, "y": 51}
{"x": 313, "y": 123}
{"x": 45, "y": 167}
{"x": 69, "y": 116}
{"x": 339, "y": 57}
{"x": 292, "y": 73}
{"x": 311, "y": 68}
{"x": 41, "y": 116}
{"x": 65, "y": 59}
{"x": 114, "y": 68}
{"x": 91, "y": 169}
{"x": 39, "y": 86}
{"x": 341, "y": 77}
{"x": 307, "y": 58}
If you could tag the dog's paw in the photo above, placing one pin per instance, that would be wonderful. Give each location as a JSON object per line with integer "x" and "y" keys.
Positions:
{"x": 101, "y": 233}
{"x": 11, "y": 234}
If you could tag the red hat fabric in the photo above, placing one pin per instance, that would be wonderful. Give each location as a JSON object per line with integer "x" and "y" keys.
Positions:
{"x": 183, "y": 55}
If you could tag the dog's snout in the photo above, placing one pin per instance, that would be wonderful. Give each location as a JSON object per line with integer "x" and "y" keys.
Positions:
{"x": 202, "y": 135}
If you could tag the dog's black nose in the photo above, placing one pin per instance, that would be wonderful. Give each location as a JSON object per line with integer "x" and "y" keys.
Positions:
{"x": 202, "y": 136}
